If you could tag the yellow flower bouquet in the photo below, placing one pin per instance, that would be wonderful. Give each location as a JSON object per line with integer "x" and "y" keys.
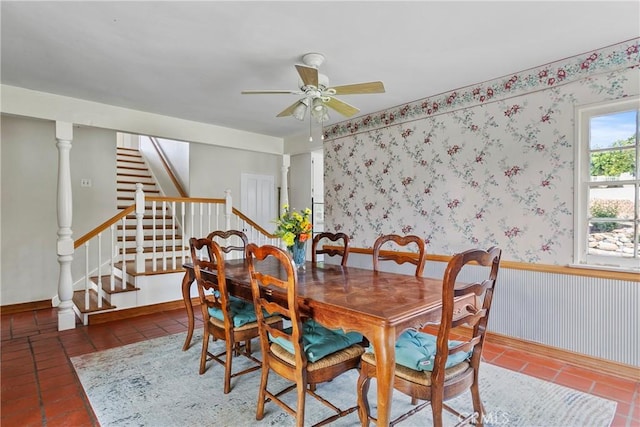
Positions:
{"x": 294, "y": 228}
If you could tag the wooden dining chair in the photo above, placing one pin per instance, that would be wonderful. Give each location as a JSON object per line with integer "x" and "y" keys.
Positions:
{"x": 407, "y": 242}
{"x": 342, "y": 250}
{"x": 224, "y": 317}
{"x": 436, "y": 368}
{"x": 306, "y": 353}
{"x": 232, "y": 242}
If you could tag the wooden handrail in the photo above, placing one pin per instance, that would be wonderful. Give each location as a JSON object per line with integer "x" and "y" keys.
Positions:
{"x": 167, "y": 167}
{"x": 253, "y": 224}
{"x": 99, "y": 229}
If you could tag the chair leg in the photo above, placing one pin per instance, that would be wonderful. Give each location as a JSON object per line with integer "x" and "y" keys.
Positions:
{"x": 227, "y": 367}
{"x": 477, "y": 403}
{"x": 363, "y": 400}
{"x": 436, "y": 407}
{"x": 301, "y": 389}
{"x": 203, "y": 355}
{"x": 262, "y": 393}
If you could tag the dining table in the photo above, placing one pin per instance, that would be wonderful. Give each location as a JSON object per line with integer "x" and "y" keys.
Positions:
{"x": 379, "y": 305}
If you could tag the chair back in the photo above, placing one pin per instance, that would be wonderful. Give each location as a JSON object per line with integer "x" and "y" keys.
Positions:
{"x": 263, "y": 288}
{"x": 232, "y": 242}
{"x": 212, "y": 293}
{"x": 474, "y": 316}
{"x": 342, "y": 251}
{"x": 417, "y": 259}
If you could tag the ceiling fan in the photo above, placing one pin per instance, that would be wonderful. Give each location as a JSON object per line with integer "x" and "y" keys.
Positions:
{"x": 317, "y": 95}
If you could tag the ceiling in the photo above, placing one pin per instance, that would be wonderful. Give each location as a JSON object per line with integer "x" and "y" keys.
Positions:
{"x": 191, "y": 60}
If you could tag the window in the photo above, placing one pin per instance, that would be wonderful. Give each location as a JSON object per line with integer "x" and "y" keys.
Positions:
{"x": 607, "y": 226}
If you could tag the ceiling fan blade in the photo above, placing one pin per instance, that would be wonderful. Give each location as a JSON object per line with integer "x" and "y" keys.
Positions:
{"x": 369, "y": 87}
{"x": 309, "y": 75}
{"x": 289, "y": 110}
{"x": 268, "y": 92}
{"x": 342, "y": 107}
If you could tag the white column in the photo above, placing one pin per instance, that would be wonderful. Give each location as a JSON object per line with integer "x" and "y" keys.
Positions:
{"x": 284, "y": 189}
{"x": 140, "y": 267}
{"x": 228, "y": 209}
{"x": 66, "y": 315}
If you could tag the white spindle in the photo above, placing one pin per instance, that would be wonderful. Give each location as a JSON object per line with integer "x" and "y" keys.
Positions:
{"x": 154, "y": 256}
{"x": 86, "y": 276}
{"x": 193, "y": 218}
{"x": 100, "y": 290}
{"x": 112, "y": 259}
{"x": 164, "y": 235}
{"x": 173, "y": 233}
{"x": 123, "y": 254}
{"x": 139, "y": 256}
{"x": 201, "y": 215}
{"x": 184, "y": 234}
{"x": 209, "y": 229}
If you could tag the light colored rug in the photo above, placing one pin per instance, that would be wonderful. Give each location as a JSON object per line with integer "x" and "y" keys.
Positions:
{"x": 154, "y": 383}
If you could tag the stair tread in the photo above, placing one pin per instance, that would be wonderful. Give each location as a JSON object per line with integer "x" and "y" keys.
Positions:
{"x": 79, "y": 302}
{"x": 106, "y": 285}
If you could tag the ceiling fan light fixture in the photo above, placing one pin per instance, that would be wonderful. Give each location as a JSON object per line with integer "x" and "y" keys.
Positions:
{"x": 301, "y": 110}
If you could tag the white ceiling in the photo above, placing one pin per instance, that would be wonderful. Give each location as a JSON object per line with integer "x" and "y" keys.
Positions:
{"x": 191, "y": 59}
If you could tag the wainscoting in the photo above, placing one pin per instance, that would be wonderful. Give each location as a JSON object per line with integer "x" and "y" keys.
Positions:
{"x": 594, "y": 316}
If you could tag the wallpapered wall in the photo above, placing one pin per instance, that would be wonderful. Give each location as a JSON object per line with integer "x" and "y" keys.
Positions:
{"x": 489, "y": 164}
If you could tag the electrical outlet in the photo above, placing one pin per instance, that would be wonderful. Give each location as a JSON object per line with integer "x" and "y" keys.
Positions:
{"x": 85, "y": 182}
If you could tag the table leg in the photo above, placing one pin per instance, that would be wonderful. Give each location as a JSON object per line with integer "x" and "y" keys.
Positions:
{"x": 187, "y": 280}
{"x": 384, "y": 348}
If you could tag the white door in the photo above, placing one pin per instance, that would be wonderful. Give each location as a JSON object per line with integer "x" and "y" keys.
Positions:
{"x": 257, "y": 199}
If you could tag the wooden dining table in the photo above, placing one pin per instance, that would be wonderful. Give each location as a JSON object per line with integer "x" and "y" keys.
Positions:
{"x": 379, "y": 305}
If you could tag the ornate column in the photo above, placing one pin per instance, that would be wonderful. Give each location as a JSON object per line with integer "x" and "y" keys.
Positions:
{"x": 284, "y": 189}
{"x": 65, "y": 249}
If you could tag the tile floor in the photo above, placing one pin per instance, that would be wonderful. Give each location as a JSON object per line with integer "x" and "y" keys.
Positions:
{"x": 40, "y": 387}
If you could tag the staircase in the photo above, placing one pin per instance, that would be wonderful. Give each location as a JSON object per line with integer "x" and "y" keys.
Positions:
{"x": 132, "y": 263}
{"x": 159, "y": 226}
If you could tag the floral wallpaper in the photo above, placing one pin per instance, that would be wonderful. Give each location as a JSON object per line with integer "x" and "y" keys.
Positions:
{"x": 489, "y": 164}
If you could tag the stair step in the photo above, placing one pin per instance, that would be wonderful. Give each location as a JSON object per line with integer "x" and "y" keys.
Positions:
{"x": 148, "y": 227}
{"x": 132, "y": 168}
{"x": 149, "y": 249}
{"x": 131, "y": 268}
{"x": 78, "y": 301}
{"x": 106, "y": 285}
{"x": 146, "y": 238}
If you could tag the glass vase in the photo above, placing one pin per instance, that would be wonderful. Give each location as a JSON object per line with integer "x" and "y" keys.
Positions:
{"x": 298, "y": 253}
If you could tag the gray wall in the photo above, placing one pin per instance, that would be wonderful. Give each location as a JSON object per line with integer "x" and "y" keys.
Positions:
{"x": 29, "y": 265}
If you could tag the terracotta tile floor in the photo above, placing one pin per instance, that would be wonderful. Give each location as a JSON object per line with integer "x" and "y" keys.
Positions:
{"x": 40, "y": 388}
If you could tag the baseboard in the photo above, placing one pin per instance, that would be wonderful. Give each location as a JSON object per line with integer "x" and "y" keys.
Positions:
{"x": 595, "y": 364}
{"x": 25, "y": 306}
{"x": 127, "y": 313}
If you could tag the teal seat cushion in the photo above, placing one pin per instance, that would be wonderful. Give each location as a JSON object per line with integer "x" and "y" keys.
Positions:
{"x": 242, "y": 312}
{"x": 319, "y": 341}
{"x": 417, "y": 350}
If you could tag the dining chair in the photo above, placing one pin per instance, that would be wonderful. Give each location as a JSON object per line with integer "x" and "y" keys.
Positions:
{"x": 342, "y": 250}
{"x": 232, "y": 242}
{"x": 400, "y": 257}
{"x": 225, "y": 317}
{"x": 436, "y": 368}
{"x": 305, "y": 353}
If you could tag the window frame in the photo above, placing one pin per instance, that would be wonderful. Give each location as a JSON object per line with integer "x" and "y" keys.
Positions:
{"x": 583, "y": 183}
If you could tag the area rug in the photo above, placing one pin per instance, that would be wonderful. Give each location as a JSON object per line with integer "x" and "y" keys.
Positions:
{"x": 154, "y": 383}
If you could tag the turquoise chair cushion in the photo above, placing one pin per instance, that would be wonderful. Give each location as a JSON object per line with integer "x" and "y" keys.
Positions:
{"x": 417, "y": 350}
{"x": 319, "y": 341}
{"x": 242, "y": 312}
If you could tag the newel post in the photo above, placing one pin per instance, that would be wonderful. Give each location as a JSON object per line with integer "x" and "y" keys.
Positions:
{"x": 140, "y": 267}
{"x": 65, "y": 244}
{"x": 228, "y": 209}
